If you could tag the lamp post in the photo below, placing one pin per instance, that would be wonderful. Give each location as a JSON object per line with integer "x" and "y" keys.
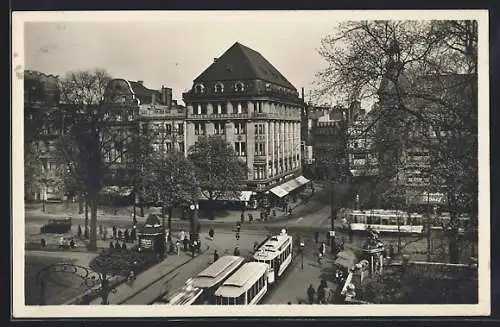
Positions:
{"x": 194, "y": 220}
{"x": 301, "y": 249}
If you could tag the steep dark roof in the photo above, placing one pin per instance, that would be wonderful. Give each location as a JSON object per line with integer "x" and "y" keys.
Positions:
{"x": 140, "y": 90}
{"x": 242, "y": 63}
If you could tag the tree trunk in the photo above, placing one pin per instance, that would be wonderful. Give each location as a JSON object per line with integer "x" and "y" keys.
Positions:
{"x": 92, "y": 198}
{"x": 194, "y": 222}
{"x": 80, "y": 204}
{"x": 86, "y": 205}
{"x": 169, "y": 223}
{"x": 453, "y": 246}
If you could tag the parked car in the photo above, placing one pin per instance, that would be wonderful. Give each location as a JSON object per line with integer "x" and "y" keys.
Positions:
{"x": 56, "y": 226}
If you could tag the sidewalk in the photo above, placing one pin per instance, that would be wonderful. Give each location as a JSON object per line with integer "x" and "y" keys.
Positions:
{"x": 172, "y": 273}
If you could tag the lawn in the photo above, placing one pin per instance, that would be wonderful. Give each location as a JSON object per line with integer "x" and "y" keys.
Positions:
{"x": 60, "y": 288}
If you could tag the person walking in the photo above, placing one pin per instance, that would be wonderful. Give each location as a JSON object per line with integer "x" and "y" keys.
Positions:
{"x": 211, "y": 233}
{"x": 321, "y": 294}
{"x": 310, "y": 293}
{"x": 111, "y": 246}
{"x": 316, "y": 237}
{"x": 193, "y": 247}
{"x": 114, "y": 232}
{"x": 320, "y": 256}
{"x": 236, "y": 251}
{"x": 178, "y": 247}
{"x": 216, "y": 256}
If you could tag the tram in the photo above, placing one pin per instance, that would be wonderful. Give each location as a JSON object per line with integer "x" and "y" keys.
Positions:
{"x": 200, "y": 288}
{"x": 386, "y": 221}
{"x": 246, "y": 286}
{"x": 276, "y": 252}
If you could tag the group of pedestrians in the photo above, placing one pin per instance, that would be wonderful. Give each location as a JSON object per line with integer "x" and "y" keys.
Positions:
{"x": 125, "y": 235}
{"x": 319, "y": 296}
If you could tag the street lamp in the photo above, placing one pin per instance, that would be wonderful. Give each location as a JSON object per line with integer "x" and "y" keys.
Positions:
{"x": 194, "y": 222}
{"x": 301, "y": 249}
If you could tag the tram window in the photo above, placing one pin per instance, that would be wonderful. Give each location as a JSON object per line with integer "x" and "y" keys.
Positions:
{"x": 375, "y": 220}
{"x": 384, "y": 221}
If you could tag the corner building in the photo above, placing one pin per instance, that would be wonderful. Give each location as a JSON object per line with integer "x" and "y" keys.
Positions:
{"x": 249, "y": 103}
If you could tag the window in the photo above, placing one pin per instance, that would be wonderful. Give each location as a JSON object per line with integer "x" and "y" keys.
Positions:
{"x": 259, "y": 172}
{"x": 168, "y": 147}
{"x": 239, "y": 128}
{"x": 260, "y": 149}
{"x": 259, "y": 129}
{"x": 199, "y": 88}
{"x": 240, "y": 148}
{"x": 219, "y": 128}
{"x": 199, "y": 128}
{"x": 168, "y": 129}
{"x": 219, "y": 108}
{"x": 180, "y": 128}
{"x": 219, "y": 88}
{"x": 239, "y": 87}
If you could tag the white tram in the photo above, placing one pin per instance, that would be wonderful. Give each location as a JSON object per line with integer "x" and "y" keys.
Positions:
{"x": 276, "y": 252}
{"x": 208, "y": 280}
{"x": 247, "y": 285}
{"x": 388, "y": 221}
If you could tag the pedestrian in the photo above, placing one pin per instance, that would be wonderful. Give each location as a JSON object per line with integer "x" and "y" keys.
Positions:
{"x": 193, "y": 248}
{"x": 323, "y": 248}
{"x": 185, "y": 244}
{"x": 105, "y": 234}
{"x": 250, "y": 217}
{"x": 61, "y": 242}
{"x": 86, "y": 233}
{"x": 289, "y": 303}
{"x": 124, "y": 245}
{"x": 43, "y": 243}
{"x": 236, "y": 251}
{"x": 321, "y": 294}
{"x": 391, "y": 251}
{"x": 242, "y": 217}
{"x": 320, "y": 255}
{"x": 178, "y": 247}
{"x": 127, "y": 236}
{"x": 120, "y": 234}
{"x": 114, "y": 232}
{"x": 310, "y": 293}
{"x": 216, "y": 256}
{"x": 316, "y": 237}
{"x": 237, "y": 235}
{"x": 290, "y": 213}
{"x": 117, "y": 245}
{"x": 255, "y": 246}
{"x": 198, "y": 246}
{"x": 111, "y": 246}
{"x": 79, "y": 231}
{"x": 211, "y": 233}
{"x": 72, "y": 244}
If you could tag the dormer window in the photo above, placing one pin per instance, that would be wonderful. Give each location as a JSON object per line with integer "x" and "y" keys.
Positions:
{"x": 199, "y": 88}
{"x": 239, "y": 87}
{"x": 219, "y": 88}
{"x": 268, "y": 87}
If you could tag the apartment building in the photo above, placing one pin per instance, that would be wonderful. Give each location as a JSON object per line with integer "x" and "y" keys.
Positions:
{"x": 248, "y": 102}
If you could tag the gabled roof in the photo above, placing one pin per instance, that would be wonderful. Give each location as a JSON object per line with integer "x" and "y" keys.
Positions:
{"x": 242, "y": 63}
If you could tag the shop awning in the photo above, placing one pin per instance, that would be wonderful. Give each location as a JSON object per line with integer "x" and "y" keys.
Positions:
{"x": 278, "y": 191}
{"x": 117, "y": 190}
{"x": 302, "y": 180}
{"x": 290, "y": 185}
{"x": 244, "y": 196}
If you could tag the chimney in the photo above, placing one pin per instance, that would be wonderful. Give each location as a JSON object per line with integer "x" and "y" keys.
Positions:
{"x": 215, "y": 59}
{"x": 163, "y": 95}
{"x": 153, "y": 98}
{"x": 140, "y": 82}
{"x": 168, "y": 97}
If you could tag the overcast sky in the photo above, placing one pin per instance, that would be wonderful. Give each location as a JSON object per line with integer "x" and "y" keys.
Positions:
{"x": 175, "y": 50}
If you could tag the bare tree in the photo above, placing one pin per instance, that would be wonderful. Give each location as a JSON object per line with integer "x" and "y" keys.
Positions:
{"x": 424, "y": 76}
{"x": 92, "y": 138}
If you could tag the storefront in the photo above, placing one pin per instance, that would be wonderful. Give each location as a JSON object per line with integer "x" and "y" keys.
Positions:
{"x": 119, "y": 195}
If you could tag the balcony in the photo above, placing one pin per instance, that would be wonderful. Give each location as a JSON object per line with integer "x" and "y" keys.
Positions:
{"x": 217, "y": 116}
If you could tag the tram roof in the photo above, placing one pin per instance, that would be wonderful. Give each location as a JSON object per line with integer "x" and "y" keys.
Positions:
{"x": 217, "y": 271}
{"x": 242, "y": 279}
{"x": 272, "y": 246}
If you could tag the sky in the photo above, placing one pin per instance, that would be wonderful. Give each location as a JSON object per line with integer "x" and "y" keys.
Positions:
{"x": 172, "y": 50}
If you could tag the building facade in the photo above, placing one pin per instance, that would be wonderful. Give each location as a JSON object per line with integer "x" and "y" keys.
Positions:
{"x": 43, "y": 171}
{"x": 250, "y": 104}
{"x": 146, "y": 110}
